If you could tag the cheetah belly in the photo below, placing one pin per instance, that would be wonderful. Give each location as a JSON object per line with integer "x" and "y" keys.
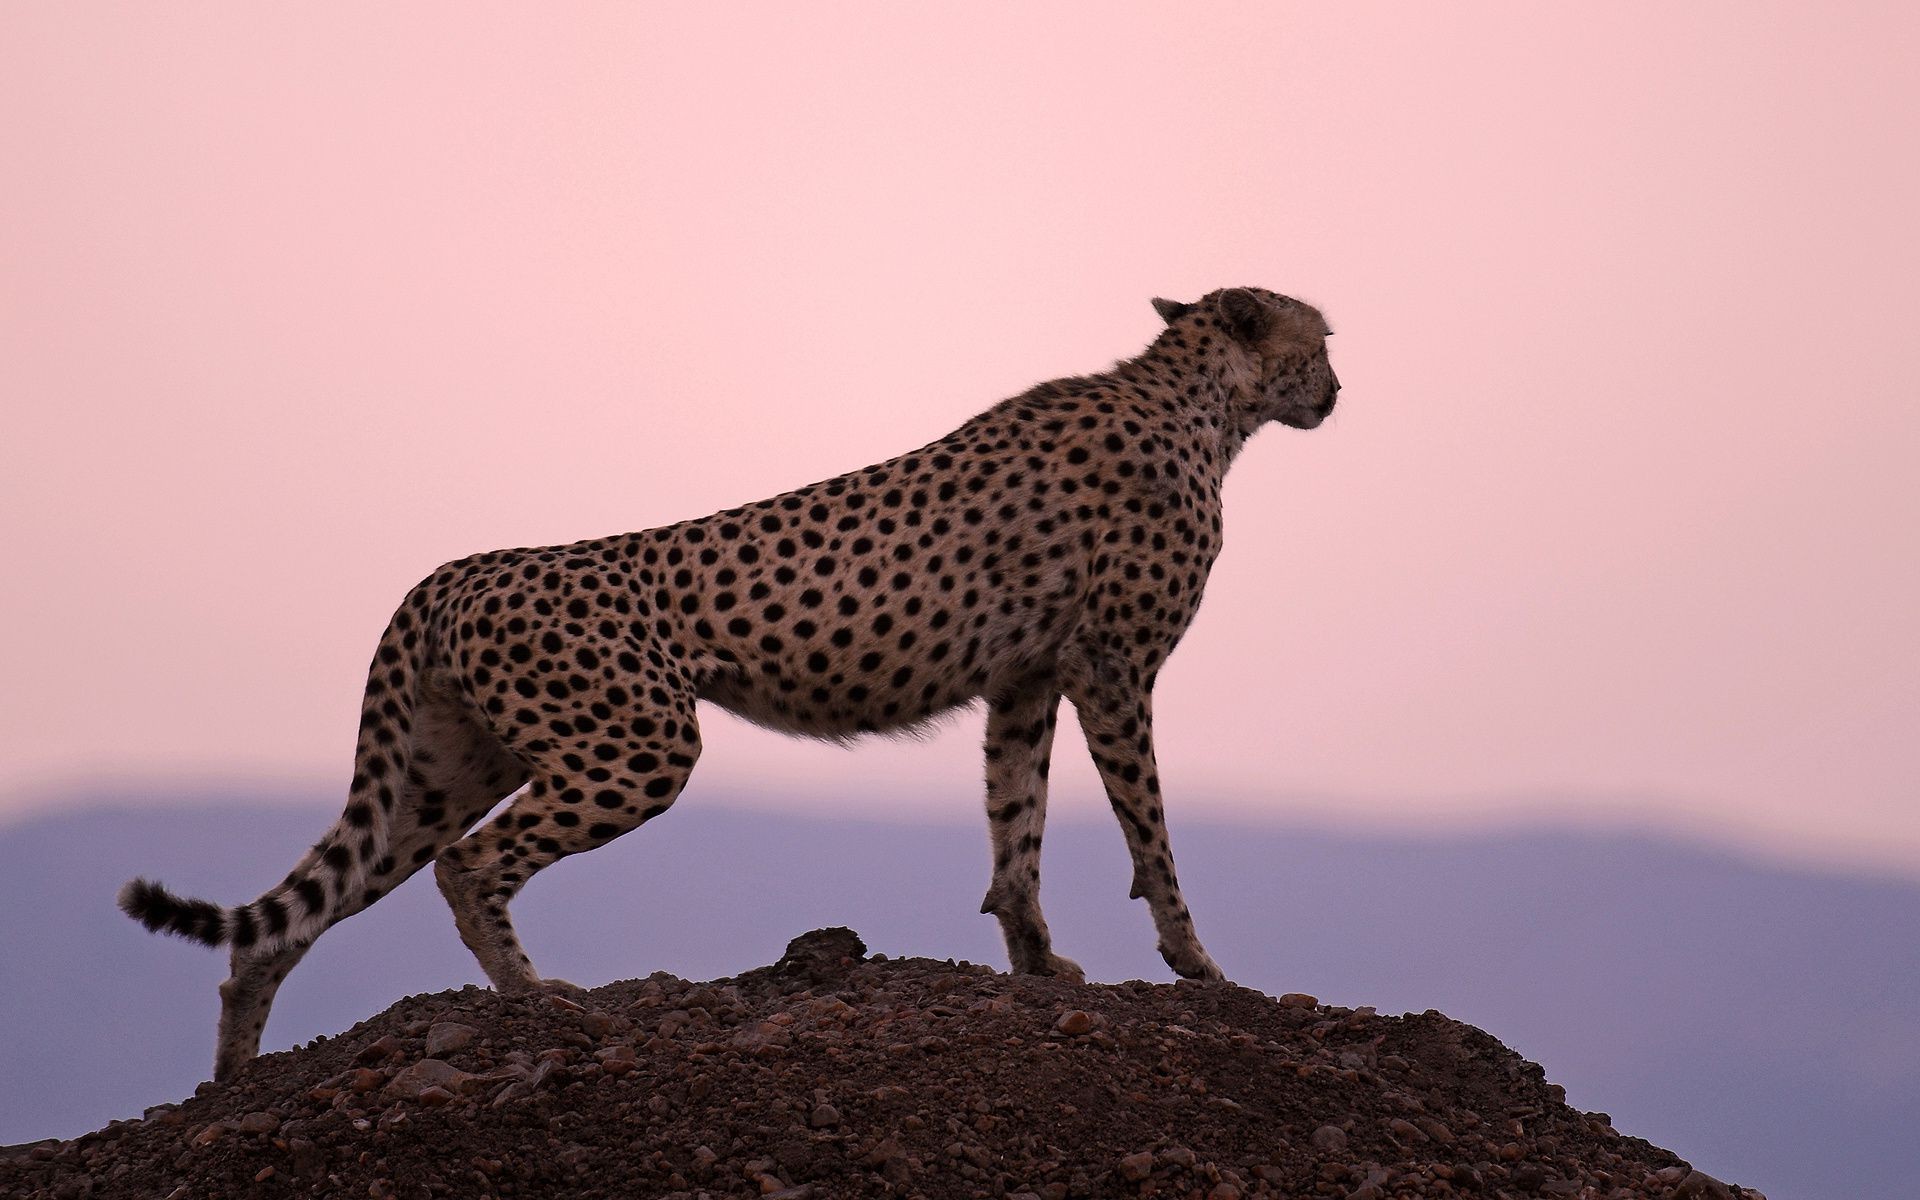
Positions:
{"x": 818, "y": 708}
{"x": 895, "y": 684}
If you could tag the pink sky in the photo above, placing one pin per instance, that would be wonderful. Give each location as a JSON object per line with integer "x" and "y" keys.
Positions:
{"x": 1615, "y": 525}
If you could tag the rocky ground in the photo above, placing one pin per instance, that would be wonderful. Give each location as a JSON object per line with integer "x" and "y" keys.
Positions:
{"x": 830, "y": 1075}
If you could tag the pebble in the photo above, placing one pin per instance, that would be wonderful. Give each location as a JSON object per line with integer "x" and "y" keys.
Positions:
{"x": 427, "y": 1073}
{"x": 1329, "y": 1138}
{"x": 1299, "y": 1000}
{"x": 1700, "y": 1184}
{"x": 1435, "y": 1129}
{"x": 1529, "y": 1176}
{"x": 447, "y": 1037}
{"x": 825, "y": 1116}
{"x": 1135, "y": 1167}
{"x": 1074, "y": 1022}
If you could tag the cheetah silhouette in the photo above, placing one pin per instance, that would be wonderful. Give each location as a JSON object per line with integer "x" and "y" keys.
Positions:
{"x": 1056, "y": 545}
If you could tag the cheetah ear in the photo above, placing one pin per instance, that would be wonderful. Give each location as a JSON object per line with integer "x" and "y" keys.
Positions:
{"x": 1245, "y": 315}
{"x": 1170, "y": 310}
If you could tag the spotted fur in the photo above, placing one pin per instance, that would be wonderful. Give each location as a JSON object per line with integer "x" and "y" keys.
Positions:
{"x": 1056, "y": 545}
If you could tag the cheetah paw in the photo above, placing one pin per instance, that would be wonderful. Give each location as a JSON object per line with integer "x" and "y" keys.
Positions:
{"x": 1195, "y": 964}
{"x": 1062, "y": 968}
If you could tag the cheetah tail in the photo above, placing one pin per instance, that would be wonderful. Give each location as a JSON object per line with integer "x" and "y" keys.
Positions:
{"x": 351, "y": 860}
{"x": 151, "y": 904}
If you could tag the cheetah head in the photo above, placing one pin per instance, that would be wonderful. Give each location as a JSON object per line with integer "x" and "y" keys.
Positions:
{"x": 1276, "y": 352}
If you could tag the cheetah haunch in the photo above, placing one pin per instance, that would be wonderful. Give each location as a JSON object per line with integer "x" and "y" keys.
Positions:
{"x": 1056, "y": 545}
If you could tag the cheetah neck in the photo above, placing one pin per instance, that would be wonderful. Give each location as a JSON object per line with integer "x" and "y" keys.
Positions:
{"x": 1214, "y": 388}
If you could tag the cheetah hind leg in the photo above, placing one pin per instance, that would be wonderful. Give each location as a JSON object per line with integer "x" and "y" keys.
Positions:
{"x": 245, "y": 999}
{"x": 1019, "y": 743}
{"x": 457, "y": 771}
{"x": 562, "y": 813}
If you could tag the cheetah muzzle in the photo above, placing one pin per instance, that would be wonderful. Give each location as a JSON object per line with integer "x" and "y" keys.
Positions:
{"x": 1055, "y": 546}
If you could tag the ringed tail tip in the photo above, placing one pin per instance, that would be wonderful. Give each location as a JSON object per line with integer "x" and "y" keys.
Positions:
{"x": 151, "y": 904}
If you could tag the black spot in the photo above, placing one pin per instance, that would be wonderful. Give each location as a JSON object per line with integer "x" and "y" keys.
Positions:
{"x": 312, "y": 895}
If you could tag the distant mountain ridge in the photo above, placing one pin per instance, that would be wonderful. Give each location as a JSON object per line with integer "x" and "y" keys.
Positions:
{"x": 1763, "y": 1023}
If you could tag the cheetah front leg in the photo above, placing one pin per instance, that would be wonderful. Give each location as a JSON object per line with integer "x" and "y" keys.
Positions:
{"x": 1019, "y": 746}
{"x": 1118, "y": 722}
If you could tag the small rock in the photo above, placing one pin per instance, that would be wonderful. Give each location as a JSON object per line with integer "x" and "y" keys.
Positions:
{"x": 1529, "y": 1176}
{"x": 1701, "y": 1184}
{"x": 1330, "y": 1139}
{"x": 1073, "y": 1023}
{"x": 825, "y": 1116}
{"x": 258, "y": 1122}
{"x": 1435, "y": 1129}
{"x": 364, "y": 1079}
{"x": 1135, "y": 1167}
{"x": 822, "y": 954}
{"x": 884, "y": 1151}
{"x": 448, "y": 1036}
{"x": 307, "y": 1158}
{"x": 762, "y": 1037}
{"x": 1299, "y": 1000}
{"x": 210, "y": 1135}
{"x": 382, "y": 1048}
{"x": 427, "y": 1073}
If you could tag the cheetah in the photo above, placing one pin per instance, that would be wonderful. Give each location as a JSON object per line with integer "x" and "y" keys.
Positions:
{"x": 1054, "y": 546}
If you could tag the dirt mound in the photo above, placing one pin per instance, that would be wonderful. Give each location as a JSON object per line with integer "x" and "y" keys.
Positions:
{"x": 832, "y": 1075}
